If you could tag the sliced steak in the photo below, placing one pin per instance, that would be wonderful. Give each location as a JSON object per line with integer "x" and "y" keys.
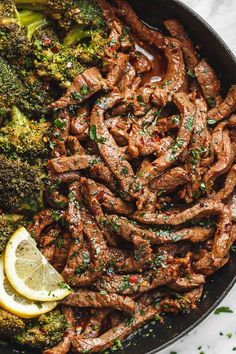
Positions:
{"x": 177, "y": 31}
{"x": 208, "y": 80}
{"x": 224, "y": 109}
{"x": 95, "y": 299}
{"x": 84, "y": 86}
{"x": 108, "y": 148}
{"x": 175, "y": 74}
{"x": 61, "y": 128}
{"x": 170, "y": 180}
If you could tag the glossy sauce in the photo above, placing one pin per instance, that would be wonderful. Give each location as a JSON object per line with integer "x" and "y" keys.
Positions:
{"x": 158, "y": 61}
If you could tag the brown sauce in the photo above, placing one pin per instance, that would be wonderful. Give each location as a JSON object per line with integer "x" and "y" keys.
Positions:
{"x": 158, "y": 60}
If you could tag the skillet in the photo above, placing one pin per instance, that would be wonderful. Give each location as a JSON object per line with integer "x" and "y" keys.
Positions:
{"x": 155, "y": 337}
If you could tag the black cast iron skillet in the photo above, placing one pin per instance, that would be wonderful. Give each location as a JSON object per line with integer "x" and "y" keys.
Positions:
{"x": 154, "y": 337}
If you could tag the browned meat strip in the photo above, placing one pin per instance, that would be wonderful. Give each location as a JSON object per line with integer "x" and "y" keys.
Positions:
{"x": 118, "y": 69}
{"x": 73, "y": 216}
{"x": 41, "y": 220}
{"x": 177, "y": 31}
{"x": 102, "y": 173}
{"x": 171, "y": 155}
{"x": 120, "y": 332}
{"x": 77, "y": 265}
{"x": 223, "y": 164}
{"x": 64, "y": 346}
{"x": 140, "y": 62}
{"x": 229, "y": 187}
{"x": 165, "y": 124}
{"x": 61, "y": 251}
{"x": 145, "y": 33}
{"x": 135, "y": 233}
{"x": 83, "y": 86}
{"x": 126, "y": 285}
{"x": 190, "y": 282}
{"x": 94, "y": 325}
{"x": 74, "y": 146}
{"x": 79, "y": 124}
{"x": 170, "y": 180}
{"x": 224, "y": 109}
{"x": 71, "y": 163}
{"x": 175, "y": 74}
{"x": 61, "y": 128}
{"x": 107, "y": 199}
{"x": 106, "y": 144}
{"x": 206, "y": 208}
{"x": 142, "y": 144}
{"x": 87, "y": 298}
{"x": 208, "y": 80}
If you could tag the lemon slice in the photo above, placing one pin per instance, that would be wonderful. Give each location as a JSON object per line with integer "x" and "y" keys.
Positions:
{"x": 13, "y": 302}
{"x": 29, "y": 272}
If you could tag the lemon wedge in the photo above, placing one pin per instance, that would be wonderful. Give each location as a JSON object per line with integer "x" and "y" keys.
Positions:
{"x": 29, "y": 272}
{"x": 13, "y": 302}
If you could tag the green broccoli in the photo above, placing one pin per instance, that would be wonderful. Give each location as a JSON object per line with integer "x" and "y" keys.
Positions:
{"x": 21, "y": 186}
{"x": 82, "y": 12}
{"x": 53, "y": 60}
{"x": 8, "y": 225}
{"x": 11, "y": 325}
{"x": 89, "y": 44}
{"x": 24, "y": 138}
{"x": 44, "y": 332}
{"x": 23, "y": 89}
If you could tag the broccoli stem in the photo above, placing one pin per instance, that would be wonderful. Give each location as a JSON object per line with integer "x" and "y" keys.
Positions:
{"x": 33, "y": 20}
{"x": 17, "y": 117}
{"x": 75, "y": 35}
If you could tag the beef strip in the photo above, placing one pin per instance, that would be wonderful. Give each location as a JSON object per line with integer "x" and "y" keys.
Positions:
{"x": 107, "y": 146}
{"x": 61, "y": 252}
{"x": 145, "y": 33}
{"x": 125, "y": 284}
{"x": 167, "y": 159}
{"x": 177, "y": 31}
{"x": 94, "y": 325}
{"x": 229, "y": 186}
{"x": 165, "y": 124}
{"x": 41, "y": 220}
{"x": 79, "y": 124}
{"x": 84, "y": 86}
{"x": 140, "y": 62}
{"x": 70, "y": 163}
{"x": 175, "y": 74}
{"x": 205, "y": 208}
{"x": 192, "y": 281}
{"x": 108, "y": 200}
{"x": 224, "y": 109}
{"x": 225, "y": 161}
{"x": 64, "y": 346}
{"x": 170, "y": 180}
{"x": 119, "y": 332}
{"x": 94, "y": 299}
{"x": 61, "y": 128}
{"x": 118, "y": 69}
{"x": 208, "y": 80}
{"x": 141, "y": 143}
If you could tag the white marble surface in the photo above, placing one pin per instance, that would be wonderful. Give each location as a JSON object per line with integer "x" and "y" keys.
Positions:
{"x": 217, "y": 334}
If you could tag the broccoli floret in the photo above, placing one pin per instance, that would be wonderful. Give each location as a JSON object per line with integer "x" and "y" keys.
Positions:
{"x": 8, "y": 225}
{"x": 54, "y": 60}
{"x": 21, "y": 186}
{"x": 28, "y": 94}
{"x": 89, "y": 44}
{"x": 32, "y": 21}
{"x": 82, "y": 12}
{"x": 44, "y": 332}
{"x": 24, "y": 138}
{"x": 11, "y": 87}
{"x": 10, "y": 325}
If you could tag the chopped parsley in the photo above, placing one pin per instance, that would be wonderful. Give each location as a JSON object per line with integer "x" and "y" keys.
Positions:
{"x": 223, "y": 309}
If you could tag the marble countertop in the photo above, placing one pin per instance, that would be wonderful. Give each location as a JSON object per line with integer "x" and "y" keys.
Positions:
{"x": 217, "y": 334}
